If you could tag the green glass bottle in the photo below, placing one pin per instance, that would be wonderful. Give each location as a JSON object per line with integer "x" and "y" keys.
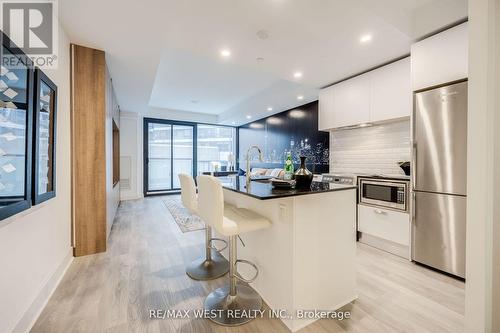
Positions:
{"x": 288, "y": 167}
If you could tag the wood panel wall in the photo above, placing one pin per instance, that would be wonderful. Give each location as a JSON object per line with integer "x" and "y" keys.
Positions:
{"x": 88, "y": 89}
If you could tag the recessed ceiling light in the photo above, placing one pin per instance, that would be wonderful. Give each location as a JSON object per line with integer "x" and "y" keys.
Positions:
{"x": 225, "y": 53}
{"x": 256, "y": 125}
{"x": 365, "y": 38}
{"x": 297, "y": 114}
{"x": 274, "y": 120}
{"x": 300, "y": 97}
{"x": 249, "y": 116}
{"x": 297, "y": 75}
{"x": 269, "y": 108}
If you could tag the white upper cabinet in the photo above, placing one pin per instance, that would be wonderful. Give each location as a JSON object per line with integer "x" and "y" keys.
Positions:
{"x": 351, "y": 101}
{"x": 390, "y": 93}
{"x": 325, "y": 116}
{"x": 379, "y": 95}
{"x": 441, "y": 58}
{"x": 344, "y": 104}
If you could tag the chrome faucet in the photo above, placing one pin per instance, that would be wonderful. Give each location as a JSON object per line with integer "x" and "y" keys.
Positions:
{"x": 248, "y": 162}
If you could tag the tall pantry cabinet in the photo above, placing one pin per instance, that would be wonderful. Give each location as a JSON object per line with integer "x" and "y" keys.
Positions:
{"x": 95, "y": 150}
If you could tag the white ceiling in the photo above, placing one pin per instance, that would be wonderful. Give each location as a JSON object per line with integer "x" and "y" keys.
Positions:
{"x": 164, "y": 54}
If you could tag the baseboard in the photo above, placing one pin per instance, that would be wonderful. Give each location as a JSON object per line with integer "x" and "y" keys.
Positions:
{"x": 131, "y": 197}
{"x": 31, "y": 315}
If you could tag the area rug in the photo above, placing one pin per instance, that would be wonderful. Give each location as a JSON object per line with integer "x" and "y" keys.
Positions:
{"x": 185, "y": 220}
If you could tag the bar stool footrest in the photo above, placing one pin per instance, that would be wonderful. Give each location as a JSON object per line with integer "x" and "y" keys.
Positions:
{"x": 239, "y": 277}
{"x": 213, "y": 247}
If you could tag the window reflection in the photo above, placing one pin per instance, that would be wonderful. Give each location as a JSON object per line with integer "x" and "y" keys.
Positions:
{"x": 216, "y": 148}
{"x": 13, "y": 120}
{"x": 46, "y": 139}
{"x": 12, "y": 152}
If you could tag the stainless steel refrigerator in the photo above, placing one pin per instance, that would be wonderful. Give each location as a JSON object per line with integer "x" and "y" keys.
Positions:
{"x": 440, "y": 178}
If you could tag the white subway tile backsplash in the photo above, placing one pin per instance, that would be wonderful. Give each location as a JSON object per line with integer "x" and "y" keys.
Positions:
{"x": 375, "y": 149}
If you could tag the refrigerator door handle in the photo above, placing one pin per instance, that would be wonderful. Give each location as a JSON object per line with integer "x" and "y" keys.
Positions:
{"x": 413, "y": 207}
{"x": 414, "y": 166}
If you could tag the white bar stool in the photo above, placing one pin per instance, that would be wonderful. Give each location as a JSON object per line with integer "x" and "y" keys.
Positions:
{"x": 230, "y": 221}
{"x": 214, "y": 265}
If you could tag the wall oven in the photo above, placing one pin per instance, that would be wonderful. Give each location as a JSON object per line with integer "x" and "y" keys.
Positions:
{"x": 385, "y": 193}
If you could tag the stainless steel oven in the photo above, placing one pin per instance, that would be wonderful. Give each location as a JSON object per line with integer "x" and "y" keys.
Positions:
{"x": 386, "y": 193}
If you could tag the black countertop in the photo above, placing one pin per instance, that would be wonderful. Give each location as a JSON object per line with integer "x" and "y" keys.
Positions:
{"x": 264, "y": 190}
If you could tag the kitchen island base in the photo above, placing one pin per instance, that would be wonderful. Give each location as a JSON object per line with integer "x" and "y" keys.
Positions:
{"x": 307, "y": 259}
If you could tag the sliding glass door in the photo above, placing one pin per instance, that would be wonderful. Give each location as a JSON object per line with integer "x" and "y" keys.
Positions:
{"x": 169, "y": 149}
{"x": 183, "y": 152}
{"x": 173, "y": 147}
{"x": 159, "y": 161}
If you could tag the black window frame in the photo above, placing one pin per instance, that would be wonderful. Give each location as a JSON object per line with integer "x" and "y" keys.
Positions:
{"x": 145, "y": 150}
{"x": 39, "y": 78}
{"x": 13, "y": 209}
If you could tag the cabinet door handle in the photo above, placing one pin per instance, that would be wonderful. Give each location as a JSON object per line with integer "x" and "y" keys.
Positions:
{"x": 379, "y": 211}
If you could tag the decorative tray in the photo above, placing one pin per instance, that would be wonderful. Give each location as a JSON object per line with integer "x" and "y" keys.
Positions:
{"x": 282, "y": 184}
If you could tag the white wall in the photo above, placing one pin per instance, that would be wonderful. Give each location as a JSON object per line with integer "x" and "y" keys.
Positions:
{"x": 35, "y": 245}
{"x": 131, "y": 153}
{"x": 482, "y": 302}
{"x": 375, "y": 149}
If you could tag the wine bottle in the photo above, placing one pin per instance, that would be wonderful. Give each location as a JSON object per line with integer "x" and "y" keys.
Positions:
{"x": 288, "y": 167}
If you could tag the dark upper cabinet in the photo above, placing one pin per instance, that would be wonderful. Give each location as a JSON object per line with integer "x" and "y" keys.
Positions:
{"x": 16, "y": 117}
{"x": 44, "y": 140}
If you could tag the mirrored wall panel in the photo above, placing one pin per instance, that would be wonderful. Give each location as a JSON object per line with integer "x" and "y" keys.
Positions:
{"x": 45, "y": 132}
{"x": 294, "y": 131}
{"x": 15, "y": 131}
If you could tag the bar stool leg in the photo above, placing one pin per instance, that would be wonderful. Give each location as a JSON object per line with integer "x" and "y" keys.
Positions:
{"x": 233, "y": 298}
{"x": 208, "y": 237}
{"x": 213, "y": 266}
{"x": 232, "y": 265}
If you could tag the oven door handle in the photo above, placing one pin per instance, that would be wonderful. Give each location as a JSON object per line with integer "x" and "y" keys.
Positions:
{"x": 383, "y": 182}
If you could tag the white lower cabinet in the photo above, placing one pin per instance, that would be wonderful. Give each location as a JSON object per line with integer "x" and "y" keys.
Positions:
{"x": 386, "y": 224}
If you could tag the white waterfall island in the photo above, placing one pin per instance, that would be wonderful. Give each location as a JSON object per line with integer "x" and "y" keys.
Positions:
{"x": 307, "y": 259}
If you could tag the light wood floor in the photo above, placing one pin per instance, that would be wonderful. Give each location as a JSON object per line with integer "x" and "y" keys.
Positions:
{"x": 143, "y": 269}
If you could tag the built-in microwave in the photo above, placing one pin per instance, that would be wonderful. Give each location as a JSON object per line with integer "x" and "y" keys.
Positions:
{"x": 386, "y": 193}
